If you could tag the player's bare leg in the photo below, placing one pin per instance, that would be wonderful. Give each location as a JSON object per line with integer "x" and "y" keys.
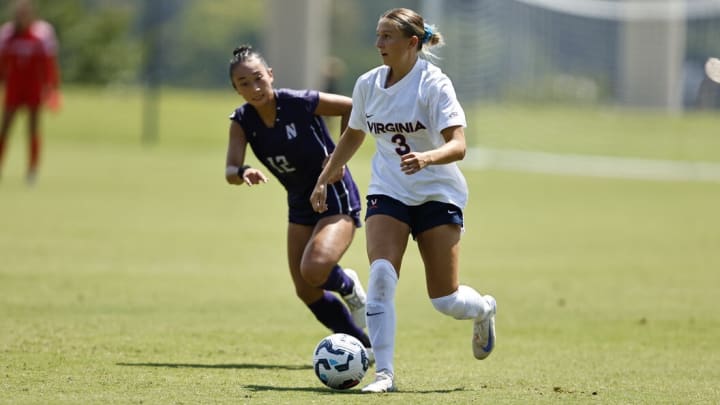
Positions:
{"x": 7, "y": 119}
{"x": 330, "y": 240}
{"x": 439, "y": 248}
{"x": 34, "y": 144}
{"x": 312, "y": 246}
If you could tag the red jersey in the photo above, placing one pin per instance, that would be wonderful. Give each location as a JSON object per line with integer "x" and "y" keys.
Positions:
{"x": 28, "y": 63}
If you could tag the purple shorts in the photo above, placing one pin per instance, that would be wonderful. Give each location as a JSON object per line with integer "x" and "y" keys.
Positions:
{"x": 342, "y": 198}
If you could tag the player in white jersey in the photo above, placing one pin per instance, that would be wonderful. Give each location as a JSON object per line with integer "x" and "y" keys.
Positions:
{"x": 416, "y": 188}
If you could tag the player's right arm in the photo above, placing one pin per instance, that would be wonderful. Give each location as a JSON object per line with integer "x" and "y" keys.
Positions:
{"x": 348, "y": 144}
{"x": 236, "y": 172}
{"x": 6, "y": 31}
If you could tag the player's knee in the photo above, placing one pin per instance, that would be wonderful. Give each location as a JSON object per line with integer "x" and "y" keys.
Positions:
{"x": 306, "y": 294}
{"x": 315, "y": 272}
{"x": 313, "y": 276}
{"x": 382, "y": 282}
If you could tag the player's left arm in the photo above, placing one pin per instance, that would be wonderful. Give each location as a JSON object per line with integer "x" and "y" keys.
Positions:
{"x": 51, "y": 70}
{"x": 452, "y": 150}
{"x": 45, "y": 32}
{"x": 447, "y": 115}
{"x": 51, "y": 89}
{"x": 334, "y": 105}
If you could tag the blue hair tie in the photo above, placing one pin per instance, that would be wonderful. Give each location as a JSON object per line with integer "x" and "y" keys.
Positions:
{"x": 428, "y": 34}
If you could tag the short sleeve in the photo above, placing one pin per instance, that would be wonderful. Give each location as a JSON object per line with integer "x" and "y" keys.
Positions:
{"x": 305, "y": 100}
{"x": 311, "y": 99}
{"x": 357, "y": 115}
{"x": 445, "y": 109}
{"x": 46, "y": 34}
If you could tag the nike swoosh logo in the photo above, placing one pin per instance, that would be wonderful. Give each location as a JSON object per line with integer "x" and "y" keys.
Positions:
{"x": 369, "y": 115}
{"x": 451, "y": 212}
{"x": 490, "y": 343}
{"x": 374, "y": 313}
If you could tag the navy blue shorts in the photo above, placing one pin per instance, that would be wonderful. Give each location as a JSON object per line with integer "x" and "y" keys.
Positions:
{"x": 420, "y": 218}
{"x": 311, "y": 218}
{"x": 341, "y": 199}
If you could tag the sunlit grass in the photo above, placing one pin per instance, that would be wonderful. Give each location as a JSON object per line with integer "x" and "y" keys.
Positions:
{"x": 132, "y": 273}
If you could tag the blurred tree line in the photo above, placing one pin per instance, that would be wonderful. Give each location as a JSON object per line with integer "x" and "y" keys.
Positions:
{"x": 108, "y": 41}
{"x": 188, "y": 43}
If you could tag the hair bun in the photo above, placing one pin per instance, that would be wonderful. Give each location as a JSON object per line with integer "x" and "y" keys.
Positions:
{"x": 242, "y": 49}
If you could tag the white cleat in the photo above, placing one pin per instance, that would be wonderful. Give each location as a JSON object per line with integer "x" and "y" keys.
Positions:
{"x": 383, "y": 383}
{"x": 356, "y": 300}
{"x": 483, "y": 341}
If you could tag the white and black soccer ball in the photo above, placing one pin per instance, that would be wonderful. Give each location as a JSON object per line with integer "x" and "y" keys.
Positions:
{"x": 340, "y": 361}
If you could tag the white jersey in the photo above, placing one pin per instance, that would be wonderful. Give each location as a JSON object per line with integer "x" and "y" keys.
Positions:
{"x": 409, "y": 116}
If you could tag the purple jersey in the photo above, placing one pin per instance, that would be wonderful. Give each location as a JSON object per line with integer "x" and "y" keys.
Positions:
{"x": 294, "y": 150}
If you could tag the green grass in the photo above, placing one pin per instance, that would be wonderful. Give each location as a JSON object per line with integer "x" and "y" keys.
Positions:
{"x": 133, "y": 274}
{"x": 599, "y": 131}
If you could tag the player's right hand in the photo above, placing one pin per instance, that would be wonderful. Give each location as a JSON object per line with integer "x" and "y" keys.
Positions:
{"x": 318, "y": 198}
{"x": 251, "y": 176}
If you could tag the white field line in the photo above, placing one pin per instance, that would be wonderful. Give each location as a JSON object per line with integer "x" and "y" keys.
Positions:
{"x": 589, "y": 165}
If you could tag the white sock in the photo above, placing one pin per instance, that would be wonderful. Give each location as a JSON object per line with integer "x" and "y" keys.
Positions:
{"x": 465, "y": 303}
{"x": 381, "y": 313}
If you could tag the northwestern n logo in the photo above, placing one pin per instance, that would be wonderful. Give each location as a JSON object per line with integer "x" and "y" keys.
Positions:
{"x": 290, "y": 131}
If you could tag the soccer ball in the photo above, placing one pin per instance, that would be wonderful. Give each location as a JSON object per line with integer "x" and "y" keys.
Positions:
{"x": 340, "y": 361}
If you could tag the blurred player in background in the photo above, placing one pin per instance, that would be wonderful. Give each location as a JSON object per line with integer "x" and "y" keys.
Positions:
{"x": 287, "y": 134}
{"x": 416, "y": 188}
{"x": 29, "y": 70}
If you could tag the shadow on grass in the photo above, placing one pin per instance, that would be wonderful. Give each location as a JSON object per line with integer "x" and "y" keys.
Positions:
{"x": 319, "y": 390}
{"x": 353, "y": 391}
{"x": 220, "y": 366}
{"x": 262, "y": 388}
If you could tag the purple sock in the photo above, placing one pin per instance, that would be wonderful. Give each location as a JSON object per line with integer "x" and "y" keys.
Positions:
{"x": 332, "y": 313}
{"x": 339, "y": 282}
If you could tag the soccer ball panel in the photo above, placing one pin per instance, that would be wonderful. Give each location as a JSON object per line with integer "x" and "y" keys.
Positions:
{"x": 340, "y": 361}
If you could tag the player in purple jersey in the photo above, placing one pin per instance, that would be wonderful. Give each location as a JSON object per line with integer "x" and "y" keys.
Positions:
{"x": 285, "y": 130}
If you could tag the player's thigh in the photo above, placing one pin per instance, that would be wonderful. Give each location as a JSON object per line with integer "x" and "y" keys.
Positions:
{"x": 440, "y": 250}
{"x": 330, "y": 239}
{"x": 7, "y": 118}
{"x": 297, "y": 239}
{"x": 386, "y": 238}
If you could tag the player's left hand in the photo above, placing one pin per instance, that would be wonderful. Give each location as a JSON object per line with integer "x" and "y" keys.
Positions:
{"x": 54, "y": 100}
{"x": 413, "y": 162}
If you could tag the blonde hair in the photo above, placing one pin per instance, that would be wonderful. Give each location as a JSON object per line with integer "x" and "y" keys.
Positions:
{"x": 411, "y": 24}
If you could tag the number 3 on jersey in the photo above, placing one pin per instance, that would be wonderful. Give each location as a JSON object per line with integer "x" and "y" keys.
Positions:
{"x": 399, "y": 140}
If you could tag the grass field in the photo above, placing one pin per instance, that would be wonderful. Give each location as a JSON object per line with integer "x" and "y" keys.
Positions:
{"x": 133, "y": 274}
